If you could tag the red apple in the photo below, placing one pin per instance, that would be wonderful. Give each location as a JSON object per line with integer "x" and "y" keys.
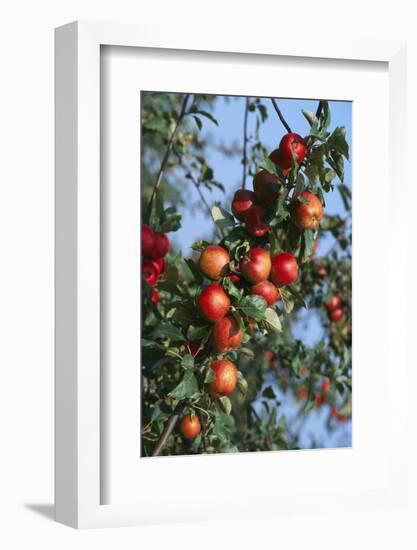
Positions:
{"x": 306, "y": 215}
{"x": 159, "y": 265}
{"x": 267, "y": 290}
{"x": 256, "y": 265}
{"x": 336, "y": 315}
{"x": 291, "y": 142}
{"x": 161, "y": 247}
{"x": 284, "y": 269}
{"x": 225, "y": 380}
{"x": 214, "y": 261}
{"x": 266, "y": 186}
{"x": 227, "y": 335}
{"x": 243, "y": 201}
{"x": 325, "y": 385}
{"x": 335, "y": 302}
{"x": 190, "y": 426}
{"x": 213, "y": 302}
{"x": 149, "y": 272}
{"x": 255, "y": 224}
{"x": 154, "y": 297}
{"x": 148, "y": 240}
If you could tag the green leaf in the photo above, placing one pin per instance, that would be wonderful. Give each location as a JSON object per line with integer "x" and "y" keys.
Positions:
{"x": 287, "y": 299}
{"x": 307, "y": 244}
{"x": 270, "y": 167}
{"x": 325, "y": 116}
{"x": 242, "y": 384}
{"x": 209, "y": 376}
{"x": 187, "y": 361}
{"x": 225, "y": 404}
{"x": 312, "y": 172}
{"x": 195, "y": 270}
{"x": 298, "y": 298}
{"x": 222, "y": 218}
{"x": 311, "y": 117}
{"x": 199, "y": 245}
{"x": 198, "y": 122}
{"x": 204, "y": 114}
{"x": 171, "y": 331}
{"x": 346, "y": 195}
{"x": 337, "y": 141}
{"x": 231, "y": 288}
{"x": 197, "y": 334}
{"x": 272, "y": 320}
{"x": 253, "y": 306}
{"x": 171, "y": 220}
{"x": 187, "y": 388}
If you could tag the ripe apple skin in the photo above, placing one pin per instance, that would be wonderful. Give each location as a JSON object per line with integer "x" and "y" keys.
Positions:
{"x": 254, "y": 222}
{"x": 284, "y": 269}
{"x": 190, "y": 426}
{"x": 307, "y": 215}
{"x": 275, "y": 156}
{"x": 243, "y": 201}
{"x": 322, "y": 271}
{"x": 335, "y": 302}
{"x": 325, "y": 385}
{"x": 149, "y": 272}
{"x": 303, "y": 393}
{"x": 154, "y": 297}
{"x": 225, "y": 378}
{"x": 148, "y": 240}
{"x": 213, "y": 302}
{"x": 227, "y": 335}
{"x": 161, "y": 246}
{"x": 336, "y": 315}
{"x": 159, "y": 265}
{"x": 264, "y": 186}
{"x": 290, "y": 142}
{"x": 214, "y": 261}
{"x": 256, "y": 265}
{"x": 319, "y": 400}
{"x": 267, "y": 290}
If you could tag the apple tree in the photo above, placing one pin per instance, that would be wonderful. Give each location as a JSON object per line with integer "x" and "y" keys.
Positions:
{"x": 225, "y": 366}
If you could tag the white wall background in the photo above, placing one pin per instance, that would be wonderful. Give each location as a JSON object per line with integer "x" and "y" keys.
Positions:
{"x": 26, "y": 272}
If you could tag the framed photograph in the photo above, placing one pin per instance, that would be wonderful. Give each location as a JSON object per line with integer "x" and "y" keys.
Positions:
{"x": 221, "y": 347}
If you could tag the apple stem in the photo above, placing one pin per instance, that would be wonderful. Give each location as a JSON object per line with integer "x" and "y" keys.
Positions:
{"x": 281, "y": 116}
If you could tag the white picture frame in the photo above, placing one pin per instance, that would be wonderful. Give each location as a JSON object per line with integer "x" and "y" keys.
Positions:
{"x": 78, "y": 404}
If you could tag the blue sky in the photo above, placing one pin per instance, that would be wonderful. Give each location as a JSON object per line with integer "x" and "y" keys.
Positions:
{"x": 228, "y": 170}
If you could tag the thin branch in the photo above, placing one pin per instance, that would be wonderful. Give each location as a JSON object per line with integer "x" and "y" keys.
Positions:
{"x": 166, "y": 157}
{"x": 169, "y": 427}
{"x": 245, "y": 142}
{"x": 281, "y": 117}
{"x": 206, "y": 204}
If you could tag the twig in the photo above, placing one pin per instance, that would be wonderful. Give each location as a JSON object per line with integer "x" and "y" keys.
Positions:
{"x": 245, "y": 142}
{"x": 169, "y": 427}
{"x": 165, "y": 158}
{"x": 281, "y": 117}
{"x": 206, "y": 204}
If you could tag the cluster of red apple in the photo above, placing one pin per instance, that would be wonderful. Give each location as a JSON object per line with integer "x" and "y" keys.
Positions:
{"x": 335, "y": 309}
{"x": 154, "y": 247}
{"x": 250, "y": 206}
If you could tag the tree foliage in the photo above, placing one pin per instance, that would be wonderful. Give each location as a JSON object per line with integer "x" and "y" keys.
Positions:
{"x": 273, "y": 363}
